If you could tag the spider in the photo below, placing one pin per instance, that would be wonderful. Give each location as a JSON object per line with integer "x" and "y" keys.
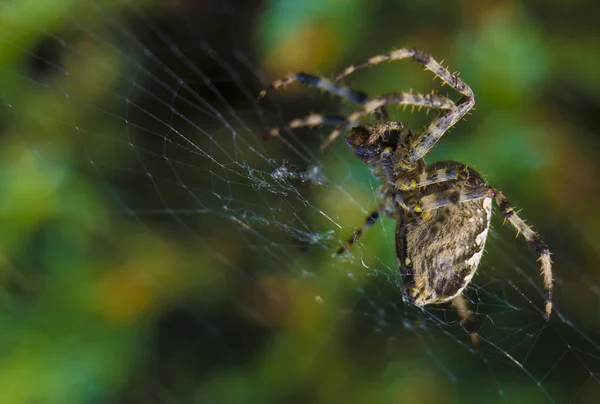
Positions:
{"x": 443, "y": 210}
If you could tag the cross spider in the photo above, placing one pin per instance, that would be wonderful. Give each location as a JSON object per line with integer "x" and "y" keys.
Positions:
{"x": 443, "y": 210}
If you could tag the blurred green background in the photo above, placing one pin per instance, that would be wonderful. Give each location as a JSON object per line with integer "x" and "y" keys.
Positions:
{"x": 156, "y": 250}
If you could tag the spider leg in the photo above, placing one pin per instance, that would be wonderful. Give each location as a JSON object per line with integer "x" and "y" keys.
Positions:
{"x": 310, "y": 120}
{"x": 420, "y": 57}
{"x": 320, "y": 82}
{"x": 370, "y": 220}
{"x": 534, "y": 239}
{"x": 453, "y": 196}
{"x": 458, "y": 193}
{"x": 421, "y": 145}
{"x": 420, "y": 100}
{"x": 429, "y": 178}
{"x": 424, "y": 141}
{"x": 466, "y": 316}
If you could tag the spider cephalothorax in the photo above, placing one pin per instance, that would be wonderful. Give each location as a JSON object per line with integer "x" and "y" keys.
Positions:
{"x": 443, "y": 210}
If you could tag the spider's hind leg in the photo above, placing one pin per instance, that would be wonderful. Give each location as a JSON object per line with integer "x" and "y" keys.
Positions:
{"x": 532, "y": 238}
{"x": 466, "y": 317}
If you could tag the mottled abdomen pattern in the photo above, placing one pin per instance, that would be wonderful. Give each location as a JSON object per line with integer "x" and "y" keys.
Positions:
{"x": 440, "y": 250}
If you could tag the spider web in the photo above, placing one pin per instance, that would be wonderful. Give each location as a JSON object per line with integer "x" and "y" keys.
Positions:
{"x": 148, "y": 130}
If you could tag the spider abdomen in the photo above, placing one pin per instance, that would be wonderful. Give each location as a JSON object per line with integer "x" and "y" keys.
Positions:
{"x": 440, "y": 250}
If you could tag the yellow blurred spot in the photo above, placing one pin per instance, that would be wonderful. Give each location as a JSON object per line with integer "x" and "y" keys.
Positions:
{"x": 270, "y": 301}
{"x": 416, "y": 383}
{"x": 123, "y": 293}
{"x": 311, "y": 47}
{"x": 283, "y": 301}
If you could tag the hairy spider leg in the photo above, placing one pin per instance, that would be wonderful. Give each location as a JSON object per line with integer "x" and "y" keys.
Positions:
{"x": 419, "y": 100}
{"x": 369, "y": 221}
{"x": 358, "y": 97}
{"x": 429, "y": 178}
{"x": 453, "y": 196}
{"x": 532, "y": 238}
{"x": 425, "y": 59}
{"x": 466, "y": 317}
{"x": 423, "y": 142}
{"x": 310, "y": 121}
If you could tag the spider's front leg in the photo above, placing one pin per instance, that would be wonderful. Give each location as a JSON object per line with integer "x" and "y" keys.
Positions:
{"x": 422, "y": 143}
{"x": 425, "y": 59}
{"x": 417, "y": 100}
{"x": 310, "y": 121}
{"x": 358, "y": 97}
